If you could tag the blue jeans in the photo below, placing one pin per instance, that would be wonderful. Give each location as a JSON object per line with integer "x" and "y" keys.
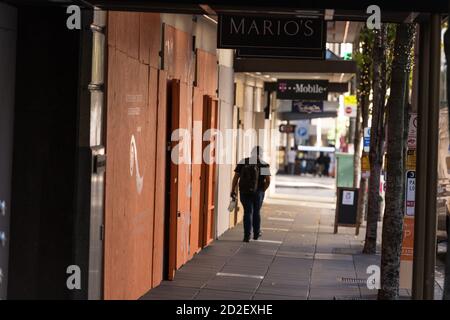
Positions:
{"x": 252, "y": 203}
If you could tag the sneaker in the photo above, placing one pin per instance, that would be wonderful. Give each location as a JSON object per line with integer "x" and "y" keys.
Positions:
{"x": 246, "y": 239}
{"x": 256, "y": 236}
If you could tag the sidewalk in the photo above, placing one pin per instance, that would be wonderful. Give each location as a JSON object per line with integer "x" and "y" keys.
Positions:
{"x": 306, "y": 188}
{"x": 297, "y": 258}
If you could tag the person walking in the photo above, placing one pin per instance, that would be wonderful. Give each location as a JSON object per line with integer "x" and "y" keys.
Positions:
{"x": 253, "y": 176}
{"x": 292, "y": 157}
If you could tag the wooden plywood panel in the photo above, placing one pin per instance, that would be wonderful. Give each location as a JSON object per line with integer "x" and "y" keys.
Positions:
{"x": 113, "y": 17}
{"x": 127, "y": 33}
{"x": 207, "y": 72}
{"x": 160, "y": 180}
{"x": 197, "y": 117}
{"x": 149, "y": 38}
{"x": 211, "y": 75}
{"x": 178, "y": 54}
{"x": 210, "y": 111}
{"x": 130, "y": 178}
{"x": 180, "y": 179}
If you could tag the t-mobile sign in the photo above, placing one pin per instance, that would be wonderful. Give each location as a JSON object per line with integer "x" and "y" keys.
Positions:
{"x": 302, "y": 89}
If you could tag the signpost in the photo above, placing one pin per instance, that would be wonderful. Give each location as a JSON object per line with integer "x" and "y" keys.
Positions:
{"x": 350, "y": 105}
{"x": 366, "y": 147}
{"x": 365, "y": 166}
{"x": 406, "y": 258}
{"x": 316, "y": 90}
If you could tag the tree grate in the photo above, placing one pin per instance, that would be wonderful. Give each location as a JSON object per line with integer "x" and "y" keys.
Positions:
{"x": 352, "y": 280}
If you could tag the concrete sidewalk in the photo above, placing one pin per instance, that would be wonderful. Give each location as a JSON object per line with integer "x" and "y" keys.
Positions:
{"x": 297, "y": 258}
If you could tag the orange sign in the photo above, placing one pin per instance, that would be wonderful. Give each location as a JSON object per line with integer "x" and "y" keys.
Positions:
{"x": 408, "y": 239}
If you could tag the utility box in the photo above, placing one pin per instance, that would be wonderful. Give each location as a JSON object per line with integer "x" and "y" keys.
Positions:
{"x": 344, "y": 170}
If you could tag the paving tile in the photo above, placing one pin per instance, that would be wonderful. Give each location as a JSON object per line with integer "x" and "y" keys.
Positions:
{"x": 233, "y": 284}
{"x": 309, "y": 263}
{"x": 170, "y": 293}
{"x": 261, "y": 296}
{"x": 259, "y": 270}
{"x": 209, "y": 294}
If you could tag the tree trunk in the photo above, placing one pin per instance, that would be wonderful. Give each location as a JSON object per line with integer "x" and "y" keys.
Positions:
{"x": 376, "y": 139}
{"x": 357, "y": 142}
{"x": 364, "y": 87}
{"x": 393, "y": 218}
{"x": 446, "y": 295}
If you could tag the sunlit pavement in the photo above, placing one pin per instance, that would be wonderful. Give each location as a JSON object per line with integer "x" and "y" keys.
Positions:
{"x": 297, "y": 258}
{"x": 306, "y": 187}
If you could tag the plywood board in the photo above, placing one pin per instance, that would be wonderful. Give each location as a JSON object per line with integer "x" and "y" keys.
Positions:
{"x": 208, "y": 171}
{"x": 178, "y": 54}
{"x": 180, "y": 178}
{"x": 160, "y": 181}
{"x": 197, "y": 155}
{"x": 207, "y": 75}
{"x": 149, "y": 38}
{"x": 130, "y": 178}
{"x": 127, "y": 33}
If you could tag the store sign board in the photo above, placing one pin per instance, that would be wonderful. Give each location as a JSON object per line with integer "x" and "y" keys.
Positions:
{"x": 238, "y": 31}
{"x": 307, "y": 106}
{"x": 289, "y": 89}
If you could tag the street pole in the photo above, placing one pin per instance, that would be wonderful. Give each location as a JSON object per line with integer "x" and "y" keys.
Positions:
{"x": 421, "y": 173}
{"x": 433, "y": 137}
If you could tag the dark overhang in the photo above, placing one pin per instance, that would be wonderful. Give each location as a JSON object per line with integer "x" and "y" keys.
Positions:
{"x": 284, "y": 65}
{"x": 305, "y": 116}
{"x": 353, "y": 10}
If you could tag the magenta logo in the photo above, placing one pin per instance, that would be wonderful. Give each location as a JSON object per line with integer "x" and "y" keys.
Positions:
{"x": 282, "y": 86}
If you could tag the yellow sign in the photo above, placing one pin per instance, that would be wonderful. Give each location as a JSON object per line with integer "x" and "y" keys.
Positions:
{"x": 350, "y": 100}
{"x": 350, "y": 106}
{"x": 411, "y": 159}
{"x": 365, "y": 163}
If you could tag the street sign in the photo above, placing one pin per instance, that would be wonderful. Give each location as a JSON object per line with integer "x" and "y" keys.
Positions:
{"x": 412, "y": 131}
{"x": 350, "y": 106}
{"x": 263, "y": 32}
{"x": 411, "y": 159}
{"x": 410, "y": 199}
{"x": 302, "y": 89}
{"x": 366, "y": 140}
{"x": 365, "y": 166}
{"x": 287, "y": 128}
{"x": 302, "y": 132}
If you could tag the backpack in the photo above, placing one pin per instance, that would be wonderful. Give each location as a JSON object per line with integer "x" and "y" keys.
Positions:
{"x": 249, "y": 178}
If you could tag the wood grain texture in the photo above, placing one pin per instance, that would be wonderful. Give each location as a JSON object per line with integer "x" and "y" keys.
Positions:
{"x": 178, "y": 55}
{"x": 149, "y": 38}
{"x": 208, "y": 171}
{"x": 207, "y": 72}
{"x": 160, "y": 181}
{"x": 131, "y": 134}
{"x": 197, "y": 156}
{"x": 180, "y": 178}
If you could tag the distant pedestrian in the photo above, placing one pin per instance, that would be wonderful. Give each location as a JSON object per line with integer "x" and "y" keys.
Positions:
{"x": 326, "y": 165}
{"x": 320, "y": 164}
{"x": 253, "y": 175}
{"x": 292, "y": 157}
